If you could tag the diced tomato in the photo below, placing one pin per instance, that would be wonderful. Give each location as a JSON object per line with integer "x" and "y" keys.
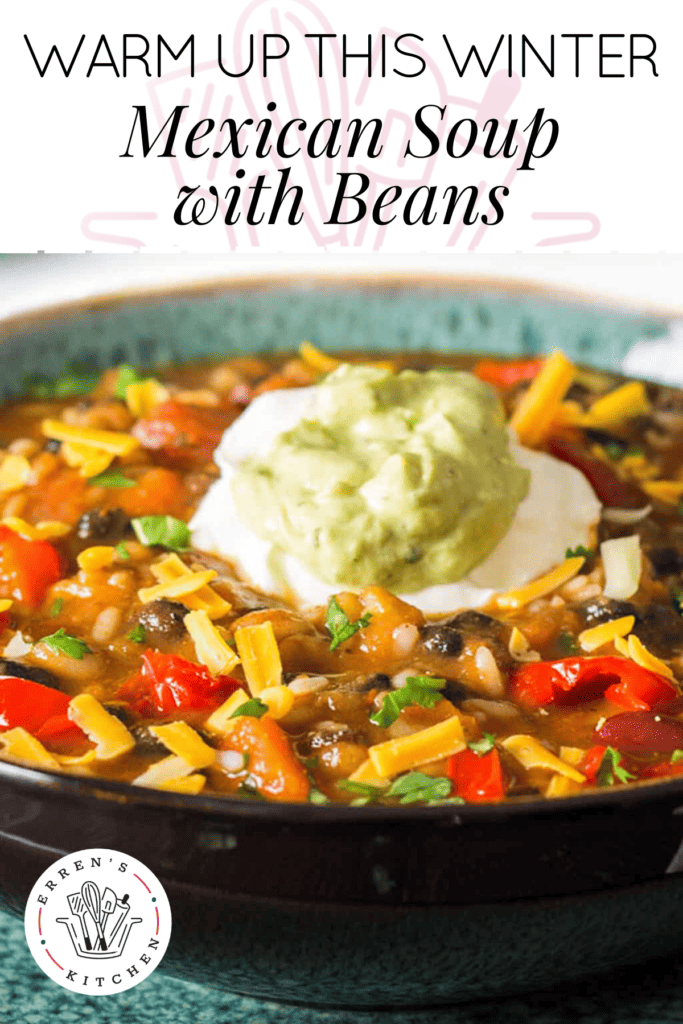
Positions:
{"x": 61, "y": 499}
{"x": 272, "y": 766}
{"x": 157, "y": 492}
{"x": 642, "y": 732}
{"x": 504, "y": 374}
{"x": 167, "y": 684}
{"x": 184, "y": 435}
{"x": 27, "y": 567}
{"x": 612, "y": 492}
{"x": 477, "y": 778}
{"x": 572, "y": 680}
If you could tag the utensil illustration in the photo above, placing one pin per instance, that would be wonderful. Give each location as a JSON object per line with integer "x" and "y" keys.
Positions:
{"x": 123, "y": 908}
{"x": 108, "y": 907}
{"x": 91, "y": 898}
{"x": 78, "y": 908}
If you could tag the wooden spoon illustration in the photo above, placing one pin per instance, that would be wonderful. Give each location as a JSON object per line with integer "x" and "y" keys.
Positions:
{"x": 91, "y": 898}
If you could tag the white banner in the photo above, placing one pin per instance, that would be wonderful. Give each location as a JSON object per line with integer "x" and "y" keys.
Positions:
{"x": 304, "y": 126}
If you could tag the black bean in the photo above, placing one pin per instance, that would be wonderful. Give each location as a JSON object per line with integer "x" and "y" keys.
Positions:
{"x": 52, "y": 445}
{"x": 378, "y": 681}
{"x": 472, "y": 621}
{"x": 36, "y": 675}
{"x": 146, "y": 743}
{"x": 122, "y": 712}
{"x": 455, "y": 691}
{"x": 604, "y": 610}
{"x": 442, "y": 639}
{"x": 604, "y": 438}
{"x": 100, "y": 526}
{"x": 660, "y": 628}
{"x": 162, "y": 621}
{"x": 666, "y": 561}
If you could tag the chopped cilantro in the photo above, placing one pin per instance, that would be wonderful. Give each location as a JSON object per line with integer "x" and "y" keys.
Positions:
{"x": 250, "y": 792}
{"x": 111, "y": 478}
{"x": 567, "y": 644}
{"x": 127, "y": 375}
{"x": 137, "y": 634}
{"x": 62, "y": 643}
{"x": 166, "y": 531}
{"x": 57, "y": 606}
{"x": 611, "y": 769}
{"x": 422, "y": 690}
{"x": 122, "y": 551}
{"x": 676, "y": 757}
{"x": 580, "y": 550}
{"x": 366, "y": 793}
{"x": 253, "y": 708}
{"x": 613, "y": 450}
{"x": 316, "y": 797}
{"x": 417, "y": 786}
{"x": 483, "y": 746}
{"x": 340, "y": 626}
{"x": 634, "y": 453}
{"x": 677, "y": 600}
{"x": 78, "y": 380}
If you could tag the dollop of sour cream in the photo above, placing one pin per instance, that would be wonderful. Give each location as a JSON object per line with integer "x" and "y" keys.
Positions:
{"x": 557, "y": 512}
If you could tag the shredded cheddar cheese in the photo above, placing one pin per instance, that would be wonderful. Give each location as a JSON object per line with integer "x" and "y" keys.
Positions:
{"x": 110, "y": 736}
{"x": 431, "y": 744}
{"x": 164, "y": 772}
{"x": 184, "y": 784}
{"x": 206, "y": 599}
{"x": 366, "y": 774}
{"x": 221, "y": 721}
{"x": 142, "y": 396}
{"x": 572, "y": 755}
{"x": 257, "y": 647}
{"x": 560, "y": 785}
{"x": 87, "y": 460}
{"x": 532, "y": 754}
{"x": 316, "y": 359}
{"x": 539, "y": 588}
{"x": 15, "y": 471}
{"x": 639, "y": 653}
{"x": 669, "y": 492}
{"x": 621, "y": 646}
{"x": 96, "y": 557}
{"x": 519, "y": 647}
{"x": 623, "y": 403}
{"x": 184, "y": 742}
{"x": 178, "y": 588}
{"x": 48, "y": 530}
{"x": 605, "y": 633}
{"x": 18, "y": 744}
{"x": 538, "y": 408}
{"x": 5, "y": 604}
{"x": 111, "y": 441}
{"x": 211, "y": 648}
{"x": 279, "y": 699}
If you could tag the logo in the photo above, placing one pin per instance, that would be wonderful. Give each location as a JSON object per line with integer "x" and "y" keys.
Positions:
{"x": 98, "y": 922}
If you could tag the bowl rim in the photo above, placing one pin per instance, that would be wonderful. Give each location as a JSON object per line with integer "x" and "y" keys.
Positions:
{"x": 93, "y": 788}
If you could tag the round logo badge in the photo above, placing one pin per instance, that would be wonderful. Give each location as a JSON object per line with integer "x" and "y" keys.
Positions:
{"x": 98, "y": 922}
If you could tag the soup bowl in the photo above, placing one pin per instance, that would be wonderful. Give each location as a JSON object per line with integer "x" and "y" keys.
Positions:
{"x": 371, "y": 906}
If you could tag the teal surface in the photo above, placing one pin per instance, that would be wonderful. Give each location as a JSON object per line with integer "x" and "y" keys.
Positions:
{"x": 279, "y": 318}
{"x": 649, "y": 994}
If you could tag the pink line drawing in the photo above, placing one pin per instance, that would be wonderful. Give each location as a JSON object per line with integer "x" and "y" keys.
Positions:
{"x": 583, "y": 236}
{"x": 98, "y": 236}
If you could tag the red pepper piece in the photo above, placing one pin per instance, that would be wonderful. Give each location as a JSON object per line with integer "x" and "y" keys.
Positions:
{"x": 168, "y": 684}
{"x": 572, "y": 680}
{"x": 641, "y": 732}
{"x": 590, "y": 763}
{"x": 62, "y": 736}
{"x": 477, "y": 778}
{"x": 641, "y": 691}
{"x": 663, "y": 770}
{"x": 184, "y": 435}
{"x": 27, "y": 567}
{"x": 504, "y": 374}
{"x": 612, "y": 492}
{"x": 31, "y": 705}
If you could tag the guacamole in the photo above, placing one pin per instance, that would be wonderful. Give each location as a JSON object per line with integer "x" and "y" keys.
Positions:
{"x": 403, "y": 480}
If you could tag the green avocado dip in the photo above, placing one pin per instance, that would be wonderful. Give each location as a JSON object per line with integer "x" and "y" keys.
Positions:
{"x": 402, "y": 480}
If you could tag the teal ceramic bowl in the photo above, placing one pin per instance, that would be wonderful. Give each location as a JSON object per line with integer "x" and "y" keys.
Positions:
{"x": 358, "y": 906}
